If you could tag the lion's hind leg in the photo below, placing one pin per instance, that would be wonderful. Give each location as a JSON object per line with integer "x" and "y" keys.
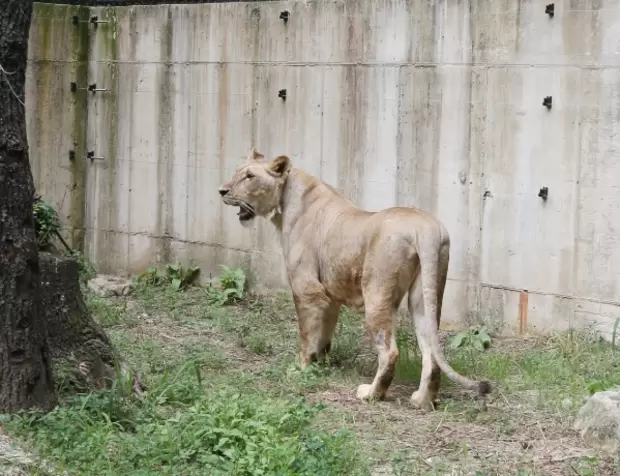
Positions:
{"x": 381, "y": 321}
{"x": 430, "y": 377}
{"x": 426, "y": 394}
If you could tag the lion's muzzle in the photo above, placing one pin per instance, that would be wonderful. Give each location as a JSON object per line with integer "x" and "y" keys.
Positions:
{"x": 246, "y": 211}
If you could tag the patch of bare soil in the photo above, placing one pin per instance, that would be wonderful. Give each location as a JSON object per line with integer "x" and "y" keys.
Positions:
{"x": 13, "y": 460}
{"x": 16, "y": 461}
{"x": 173, "y": 333}
{"x": 507, "y": 437}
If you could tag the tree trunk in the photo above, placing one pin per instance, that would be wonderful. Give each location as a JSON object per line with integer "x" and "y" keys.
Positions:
{"x": 25, "y": 375}
{"x": 83, "y": 357}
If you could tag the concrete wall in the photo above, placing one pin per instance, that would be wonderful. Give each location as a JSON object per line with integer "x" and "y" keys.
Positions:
{"x": 436, "y": 104}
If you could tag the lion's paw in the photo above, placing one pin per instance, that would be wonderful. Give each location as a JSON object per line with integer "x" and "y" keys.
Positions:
{"x": 422, "y": 402}
{"x": 363, "y": 391}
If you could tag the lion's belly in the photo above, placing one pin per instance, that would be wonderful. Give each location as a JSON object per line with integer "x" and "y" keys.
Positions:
{"x": 346, "y": 287}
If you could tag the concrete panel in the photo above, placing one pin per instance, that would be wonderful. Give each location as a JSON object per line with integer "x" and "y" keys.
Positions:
{"x": 141, "y": 32}
{"x": 598, "y": 228}
{"x": 379, "y": 157}
{"x": 455, "y": 313}
{"x": 49, "y": 146}
{"x": 542, "y": 313}
{"x": 420, "y": 117}
{"x": 107, "y": 216}
{"x": 345, "y": 97}
{"x": 530, "y": 148}
{"x": 57, "y": 56}
{"x": 430, "y": 104}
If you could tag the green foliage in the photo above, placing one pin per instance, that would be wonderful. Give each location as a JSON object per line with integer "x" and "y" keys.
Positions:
{"x": 408, "y": 365}
{"x": 615, "y": 333}
{"x": 86, "y": 268}
{"x": 600, "y": 386}
{"x": 152, "y": 277}
{"x": 181, "y": 278}
{"x": 47, "y": 226}
{"x": 181, "y": 428}
{"x": 46, "y": 222}
{"x": 536, "y": 378}
{"x": 174, "y": 275}
{"x": 108, "y": 313}
{"x": 229, "y": 287}
{"x": 348, "y": 339}
{"x": 477, "y": 337}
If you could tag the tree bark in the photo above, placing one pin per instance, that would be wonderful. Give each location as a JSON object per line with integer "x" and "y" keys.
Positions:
{"x": 25, "y": 372}
{"x": 83, "y": 357}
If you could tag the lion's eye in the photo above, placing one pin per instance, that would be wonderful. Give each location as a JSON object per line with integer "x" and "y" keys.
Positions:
{"x": 249, "y": 176}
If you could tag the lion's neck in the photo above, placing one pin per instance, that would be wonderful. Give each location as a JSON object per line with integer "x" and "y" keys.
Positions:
{"x": 296, "y": 192}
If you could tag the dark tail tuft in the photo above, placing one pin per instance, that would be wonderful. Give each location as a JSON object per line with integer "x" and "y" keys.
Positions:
{"x": 484, "y": 388}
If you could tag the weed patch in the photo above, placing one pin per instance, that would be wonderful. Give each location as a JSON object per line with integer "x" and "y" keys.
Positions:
{"x": 46, "y": 222}
{"x": 228, "y": 288}
{"x": 182, "y": 428}
{"x": 227, "y": 396}
{"x": 477, "y": 337}
{"x": 173, "y": 275}
{"x": 108, "y": 313}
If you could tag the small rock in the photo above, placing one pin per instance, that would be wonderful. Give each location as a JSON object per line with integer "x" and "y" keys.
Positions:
{"x": 599, "y": 421}
{"x": 106, "y": 285}
{"x": 567, "y": 404}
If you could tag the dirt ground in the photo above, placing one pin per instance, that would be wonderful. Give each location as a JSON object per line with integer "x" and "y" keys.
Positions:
{"x": 524, "y": 428}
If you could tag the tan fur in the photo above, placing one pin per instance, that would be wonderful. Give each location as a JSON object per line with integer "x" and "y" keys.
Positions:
{"x": 337, "y": 254}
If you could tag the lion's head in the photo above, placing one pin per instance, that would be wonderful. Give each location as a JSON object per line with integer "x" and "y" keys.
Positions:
{"x": 256, "y": 187}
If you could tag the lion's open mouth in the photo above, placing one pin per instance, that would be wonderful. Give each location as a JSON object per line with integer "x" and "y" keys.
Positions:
{"x": 246, "y": 212}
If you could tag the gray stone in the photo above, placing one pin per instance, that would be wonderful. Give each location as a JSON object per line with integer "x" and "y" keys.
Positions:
{"x": 599, "y": 421}
{"x": 106, "y": 285}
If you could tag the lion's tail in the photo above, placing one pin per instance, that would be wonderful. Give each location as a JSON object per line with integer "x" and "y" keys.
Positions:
{"x": 430, "y": 265}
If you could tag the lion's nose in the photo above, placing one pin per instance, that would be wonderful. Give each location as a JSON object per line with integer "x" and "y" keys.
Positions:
{"x": 224, "y": 191}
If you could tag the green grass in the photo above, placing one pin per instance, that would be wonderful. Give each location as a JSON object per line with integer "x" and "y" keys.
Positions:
{"x": 109, "y": 313}
{"x": 227, "y": 396}
{"x": 182, "y": 429}
{"x": 188, "y": 424}
{"x": 200, "y": 416}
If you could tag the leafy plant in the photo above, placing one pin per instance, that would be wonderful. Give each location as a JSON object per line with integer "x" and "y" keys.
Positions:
{"x": 46, "y": 222}
{"x": 178, "y": 428}
{"x": 151, "y": 277}
{"x": 229, "y": 287}
{"x": 174, "y": 274}
{"x": 86, "y": 268}
{"x": 477, "y": 337}
{"x": 181, "y": 278}
{"x": 615, "y": 333}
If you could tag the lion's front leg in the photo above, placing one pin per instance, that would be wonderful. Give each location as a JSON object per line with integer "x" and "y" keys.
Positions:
{"x": 328, "y": 326}
{"x": 317, "y": 317}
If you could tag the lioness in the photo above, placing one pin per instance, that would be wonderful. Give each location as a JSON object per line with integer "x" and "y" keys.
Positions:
{"x": 337, "y": 254}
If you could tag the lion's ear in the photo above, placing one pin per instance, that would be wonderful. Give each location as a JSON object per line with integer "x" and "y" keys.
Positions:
{"x": 279, "y": 166}
{"x": 255, "y": 155}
